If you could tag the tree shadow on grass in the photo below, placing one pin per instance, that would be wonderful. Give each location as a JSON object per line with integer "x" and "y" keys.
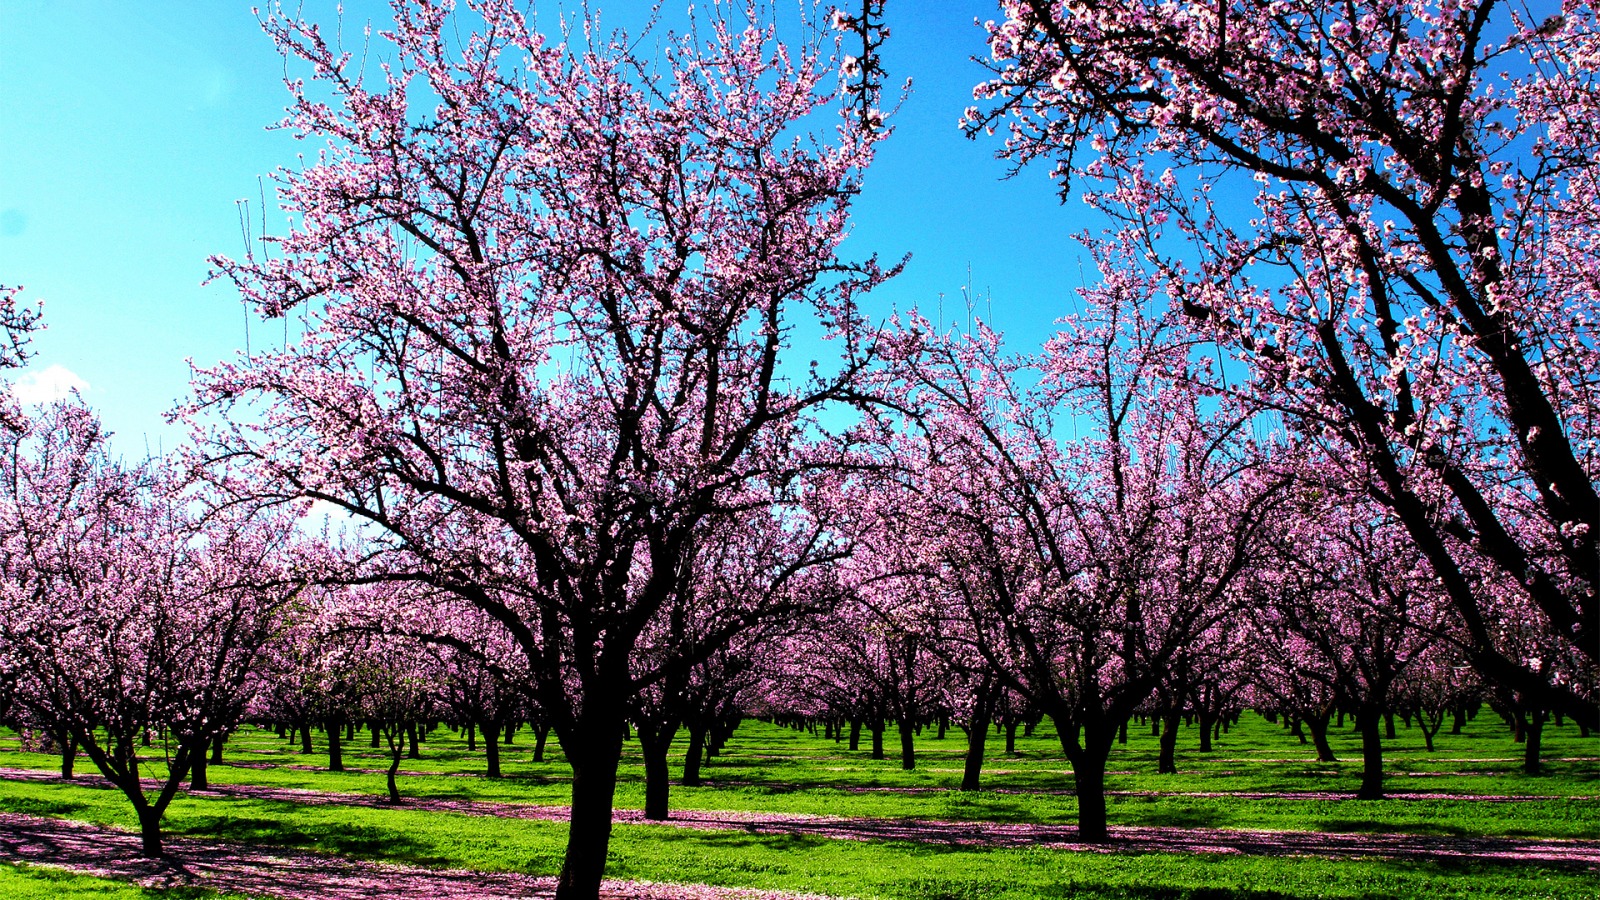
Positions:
{"x": 344, "y": 838}
{"x": 1374, "y": 826}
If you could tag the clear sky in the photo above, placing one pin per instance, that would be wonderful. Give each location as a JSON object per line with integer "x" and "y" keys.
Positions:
{"x": 128, "y": 131}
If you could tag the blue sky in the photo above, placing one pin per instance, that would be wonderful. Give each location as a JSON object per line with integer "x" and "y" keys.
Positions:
{"x": 130, "y": 130}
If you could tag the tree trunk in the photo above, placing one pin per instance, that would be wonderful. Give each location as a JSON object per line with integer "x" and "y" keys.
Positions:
{"x": 594, "y": 786}
{"x": 1208, "y": 720}
{"x": 411, "y": 733}
{"x": 1369, "y": 720}
{"x": 855, "y": 734}
{"x": 305, "y": 738}
{"x": 197, "y": 772}
{"x": 691, "y": 759}
{"x": 908, "y": 751}
{"x": 977, "y": 736}
{"x": 1089, "y": 778}
{"x": 150, "y": 832}
{"x": 1317, "y": 724}
{"x": 654, "y": 742}
{"x": 877, "y": 739}
{"x": 1167, "y": 763}
{"x": 1530, "y": 746}
{"x": 69, "y": 756}
{"x": 491, "y": 749}
{"x": 1011, "y": 738}
{"x": 540, "y": 733}
{"x": 472, "y": 738}
{"x": 1388, "y": 724}
{"x": 397, "y": 748}
{"x": 374, "y": 727}
{"x": 335, "y": 745}
{"x": 216, "y": 748}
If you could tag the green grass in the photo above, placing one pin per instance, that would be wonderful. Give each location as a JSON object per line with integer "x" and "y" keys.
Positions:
{"x": 769, "y": 768}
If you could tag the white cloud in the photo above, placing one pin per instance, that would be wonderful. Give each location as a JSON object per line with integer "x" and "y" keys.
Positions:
{"x": 48, "y": 384}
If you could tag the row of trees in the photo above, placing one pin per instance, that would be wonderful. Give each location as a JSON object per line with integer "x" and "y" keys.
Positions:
{"x": 548, "y": 292}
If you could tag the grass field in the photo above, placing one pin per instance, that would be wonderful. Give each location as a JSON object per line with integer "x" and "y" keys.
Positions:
{"x": 1257, "y": 777}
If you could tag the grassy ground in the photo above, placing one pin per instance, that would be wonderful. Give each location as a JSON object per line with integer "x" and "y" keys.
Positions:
{"x": 773, "y": 769}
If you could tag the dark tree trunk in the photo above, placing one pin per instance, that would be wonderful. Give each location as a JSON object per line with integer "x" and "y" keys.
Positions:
{"x": 1458, "y": 719}
{"x": 375, "y": 732}
{"x": 1088, "y": 776}
{"x": 1208, "y": 721}
{"x": 1122, "y": 733}
{"x": 855, "y": 734}
{"x": 335, "y": 745}
{"x": 305, "y": 738}
{"x": 472, "y": 738}
{"x": 1534, "y": 732}
{"x": 411, "y": 733}
{"x": 654, "y": 742}
{"x": 197, "y": 772}
{"x": 216, "y": 748}
{"x": 69, "y": 756}
{"x": 397, "y": 747}
{"x": 150, "y": 832}
{"x": 908, "y": 750}
{"x": 594, "y": 786}
{"x": 491, "y": 749}
{"x": 977, "y": 736}
{"x": 691, "y": 759}
{"x": 1317, "y": 724}
{"x": 540, "y": 733}
{"x": 1369, "y": 720}
{"x": 1167, "y": 762}
{"x": 877, "y": 739}
{"x": 1388, "y": 724}
{"x": 1011, "y": 738}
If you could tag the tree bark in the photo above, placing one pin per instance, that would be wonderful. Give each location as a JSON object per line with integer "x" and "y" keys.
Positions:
{"x": 216, "y": 748}
{"x": 491, "y": 749}
{"x": 877, "y": 739}
{"x": 594, "y": 786}
{"x": 150, "y": 832}
{"x": 540, "y": 733}
{"x": 1369, "y": 719}
{"x": 1167, "y": 762}
{"x": 1317, "y": 724}
{"x": 197, "y": 772}
{"x": 1534, "y": 732}
{"x": 654, "y": 742}
{"x": 908, "y": 751}
{"x": 69, "y": 756}
{"x": 855, "y": 734}
{"x": 691, "y": 759}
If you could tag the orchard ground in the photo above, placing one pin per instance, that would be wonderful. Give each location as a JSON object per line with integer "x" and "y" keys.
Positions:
{"x": 789, "y": 812}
